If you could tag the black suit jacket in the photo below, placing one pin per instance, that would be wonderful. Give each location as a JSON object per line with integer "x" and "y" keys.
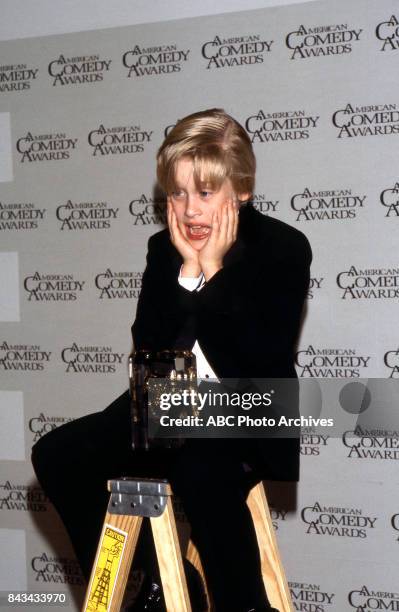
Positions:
{"x": 247, "y": 315}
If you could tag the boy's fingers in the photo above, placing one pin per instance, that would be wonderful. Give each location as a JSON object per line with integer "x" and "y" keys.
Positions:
{"x": 230, "y": 231}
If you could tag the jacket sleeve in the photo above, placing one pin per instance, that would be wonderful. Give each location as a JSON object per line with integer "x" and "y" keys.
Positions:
{"x": 147, "y": 324}
{"x": 250, "y": 313}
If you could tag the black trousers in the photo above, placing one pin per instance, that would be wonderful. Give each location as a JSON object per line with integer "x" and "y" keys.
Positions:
{"x": 74, "y": 461}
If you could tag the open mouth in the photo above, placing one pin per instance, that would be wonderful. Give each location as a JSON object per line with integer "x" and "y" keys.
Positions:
{"x": 198, "y": 232}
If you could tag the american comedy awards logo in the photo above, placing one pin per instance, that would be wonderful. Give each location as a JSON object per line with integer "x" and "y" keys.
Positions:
{"x": 118, "y": 140}
{"x": 221, "y": 52}
{"x": 85, "y": 215}
{"x": 23, "y": 357}
{"x": 154, "y": 60}
{"x": 315, "y": 286}
{"x": 56, "y": 570}
{"x": 362, "y": 443}
{"x": 391, "y": 361}
{"x": 315, "y": 362}
{"x": 310, "y": 597}
{"x": 389, "y": 198}
{"x": 76, "y": 70}
{"x": 45, "y": 147}
{"x": 326, "y": 204}
{"x": 20, "y": 216}
{"x": 21, "y": 497}
{"x": 118, "y": 285}
{"x": 318, "y": 41}
{"x": 337, "y": 521}
{"x": 366, "y": 599}
{"x": 388, "y": 33}
{"x": 147, "y": 210}
{"x": 91, "y": 359}
{"x": 52, "y": 287}
{"x": 17, "y": 77}
{"x": 266, "y": 127}
{"x": 312, "y": 443}
{"x": 278, "y": 516}
{"x": 263, "y": 204}
{"x": 353, "y": 121}
{"x": 368, "y": 283}
{"x": 42, "y": 424}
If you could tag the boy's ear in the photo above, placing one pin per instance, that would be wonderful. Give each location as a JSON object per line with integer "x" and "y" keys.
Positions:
{"x": 243, "y": 197}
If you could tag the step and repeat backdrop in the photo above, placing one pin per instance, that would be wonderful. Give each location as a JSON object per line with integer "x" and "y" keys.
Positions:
{"x": 81, "y": 117}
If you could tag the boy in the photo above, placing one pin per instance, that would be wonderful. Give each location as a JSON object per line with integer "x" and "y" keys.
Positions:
{"x": 228, "y": 283}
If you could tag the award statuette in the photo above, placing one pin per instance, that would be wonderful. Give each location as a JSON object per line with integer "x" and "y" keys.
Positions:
{"x": 173, "y": 370}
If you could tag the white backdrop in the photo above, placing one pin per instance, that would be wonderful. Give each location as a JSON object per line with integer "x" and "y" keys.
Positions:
{"x": 21, "y": 19}
{"x": 81, "y": 118}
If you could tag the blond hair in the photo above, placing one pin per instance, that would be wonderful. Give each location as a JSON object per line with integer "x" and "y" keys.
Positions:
{"x": 218, "y": 146}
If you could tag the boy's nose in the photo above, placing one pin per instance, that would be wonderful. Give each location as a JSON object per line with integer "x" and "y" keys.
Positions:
{"x": 193, "y": 208}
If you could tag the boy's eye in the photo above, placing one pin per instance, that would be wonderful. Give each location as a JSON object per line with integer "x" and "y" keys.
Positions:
{"x": 205, "y": 193}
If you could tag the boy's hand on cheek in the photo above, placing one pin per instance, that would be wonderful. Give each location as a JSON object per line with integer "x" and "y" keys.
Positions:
{"x": 223, "y": 235}
{"x": 191, "y": 266}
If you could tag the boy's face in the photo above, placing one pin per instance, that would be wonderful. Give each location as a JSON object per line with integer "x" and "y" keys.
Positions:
{"x": 194, "y": 208}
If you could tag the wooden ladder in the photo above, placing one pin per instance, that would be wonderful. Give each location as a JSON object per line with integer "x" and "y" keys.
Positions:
{"x": 132, "y": 499}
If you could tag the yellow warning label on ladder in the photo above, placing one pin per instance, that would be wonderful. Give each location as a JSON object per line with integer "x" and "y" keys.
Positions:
{"x": 107, "y": 565}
